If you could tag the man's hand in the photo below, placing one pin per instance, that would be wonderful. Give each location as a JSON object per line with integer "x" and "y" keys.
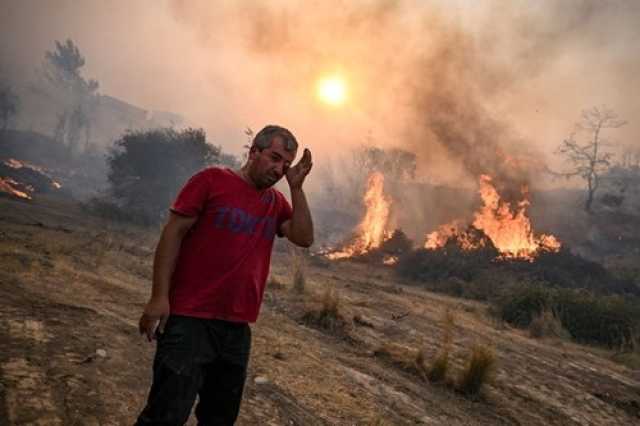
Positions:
{"x": 297, "y": 173}
{"x": 155, "y": 315}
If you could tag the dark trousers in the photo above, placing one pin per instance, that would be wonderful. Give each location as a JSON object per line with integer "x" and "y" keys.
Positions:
{"x": 198, "y": 357}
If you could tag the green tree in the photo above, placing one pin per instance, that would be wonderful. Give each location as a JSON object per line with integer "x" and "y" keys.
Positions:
{"x": 589, "y": 160}
{"x": 147, "y": 169}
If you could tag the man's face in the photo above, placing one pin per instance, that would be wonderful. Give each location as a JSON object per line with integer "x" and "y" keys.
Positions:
{"x": 268, "y": 166}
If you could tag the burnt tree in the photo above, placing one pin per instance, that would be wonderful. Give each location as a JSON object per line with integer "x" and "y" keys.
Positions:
{"x": 591, "y": 159}
{"x": 8, "y": 106}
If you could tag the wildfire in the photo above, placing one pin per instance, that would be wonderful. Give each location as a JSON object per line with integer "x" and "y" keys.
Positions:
{"x": 10, "y": 186}
{"x": 508, "y": 228}
{"x": 373, "y": 230}
{"x": 21, "y": 179}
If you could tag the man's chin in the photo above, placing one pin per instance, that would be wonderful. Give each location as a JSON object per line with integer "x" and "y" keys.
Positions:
{"x": 268, "y": 183}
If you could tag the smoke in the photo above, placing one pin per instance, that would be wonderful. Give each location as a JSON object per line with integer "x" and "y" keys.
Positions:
{"x": 473, "y": 90}
{"x": 488, "y": 87}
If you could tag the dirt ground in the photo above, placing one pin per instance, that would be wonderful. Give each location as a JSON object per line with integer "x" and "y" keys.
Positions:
{"x": 72, "y": 288}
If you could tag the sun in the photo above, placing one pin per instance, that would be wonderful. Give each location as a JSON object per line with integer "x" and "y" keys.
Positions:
{"x": 332, "y": 90}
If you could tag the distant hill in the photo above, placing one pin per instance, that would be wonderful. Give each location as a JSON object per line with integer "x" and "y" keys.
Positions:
{"x": 38, "y": 111}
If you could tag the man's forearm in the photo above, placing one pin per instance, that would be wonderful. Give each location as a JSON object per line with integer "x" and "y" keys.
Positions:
{"x": 301, "y": 222}
{"x": 164, "y": 262}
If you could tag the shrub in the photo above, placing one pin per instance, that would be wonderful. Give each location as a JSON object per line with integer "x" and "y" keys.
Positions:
{"x": 147, "y": 168}
{"x": 520, "y": 304}
{"x": 446, "y": 263}
{"x": 437, "y": 370}
{"x": 477, "y": 371}
{"x": 328, "y": 317}
{"x": 274, "y": 283}
{"x": 407, "y": 359}
{"x": 611, "y": 321}
{"x": 547, "y": 324}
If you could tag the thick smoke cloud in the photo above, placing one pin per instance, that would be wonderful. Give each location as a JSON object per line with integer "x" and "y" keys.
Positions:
{"x": 473, "y": 87}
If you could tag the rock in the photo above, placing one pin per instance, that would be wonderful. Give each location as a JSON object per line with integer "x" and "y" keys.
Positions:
{"x": 101, "y": 353}
{"x": 259, "y": 380}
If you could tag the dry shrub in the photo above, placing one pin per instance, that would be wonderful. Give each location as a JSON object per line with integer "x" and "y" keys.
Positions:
{"x": 477, "y": 371}
{"x": 328, "y": 317}
{"x": 437, "y": 371}
{"x": 274, "y": 283}
{"x": 408, "y": 359}
{"x": 547, "y": 324}
{"x": 298, "y": 263}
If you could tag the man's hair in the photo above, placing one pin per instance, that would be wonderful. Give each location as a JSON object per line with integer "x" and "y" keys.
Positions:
{"x": 264, "y": 138}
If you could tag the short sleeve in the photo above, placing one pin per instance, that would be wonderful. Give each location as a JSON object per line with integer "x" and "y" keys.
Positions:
{"x": 193, "y": 195}
{"x": 284, "y": 213}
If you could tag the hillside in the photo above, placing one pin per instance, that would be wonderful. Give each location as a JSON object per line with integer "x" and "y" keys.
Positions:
{"x": 73, "y": 287}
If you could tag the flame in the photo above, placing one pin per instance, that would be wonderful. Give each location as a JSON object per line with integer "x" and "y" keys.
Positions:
{"x": 17, "y": 164}
{"x": 390, "y": 260}
{"x": 10, "y": 187}
{"x": 508, "y": 228}
{"x": 373, "y": 230}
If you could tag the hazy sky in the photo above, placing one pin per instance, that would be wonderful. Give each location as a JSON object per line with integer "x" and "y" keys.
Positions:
{"x": 521, "y": 71}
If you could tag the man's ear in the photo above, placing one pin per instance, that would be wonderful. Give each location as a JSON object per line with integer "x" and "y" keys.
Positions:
{"x": 253, "y": 151}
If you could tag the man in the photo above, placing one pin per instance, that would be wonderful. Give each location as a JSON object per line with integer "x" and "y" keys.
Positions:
{"x": 209, "y": 274}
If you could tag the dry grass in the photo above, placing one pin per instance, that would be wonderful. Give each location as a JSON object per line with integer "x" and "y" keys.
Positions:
{"x": 274, "y": 283}
{"x": 407, "y": 359}
{"x": 299, "y": 267}
{"x": 328, "y": 317}
{"x": 437, "y": 370}
{"x": 547, "y": 324}
{"x": 478, "y": 370}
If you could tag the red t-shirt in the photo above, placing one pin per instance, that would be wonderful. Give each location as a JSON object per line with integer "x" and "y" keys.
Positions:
{"x": 224, "y": 259}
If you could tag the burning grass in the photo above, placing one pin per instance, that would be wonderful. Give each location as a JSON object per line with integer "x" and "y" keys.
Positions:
{"x": 504, "y": 225}
{"x": 373, "y": 230}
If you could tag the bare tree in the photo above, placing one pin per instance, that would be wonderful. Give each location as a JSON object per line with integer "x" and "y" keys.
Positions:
{"x": 590, "y": 160}
{"x": 8, "y": 105}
